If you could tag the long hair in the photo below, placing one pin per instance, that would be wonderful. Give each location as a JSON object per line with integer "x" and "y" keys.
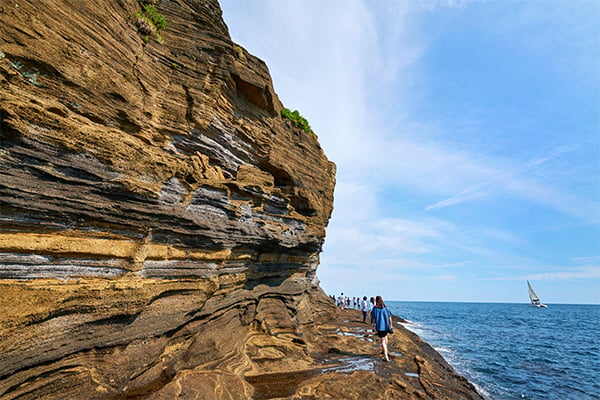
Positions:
{"x": 379, "y": 302}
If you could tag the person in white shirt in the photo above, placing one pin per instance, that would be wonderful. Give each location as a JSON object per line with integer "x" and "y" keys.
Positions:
{"x": 341, "y": 300}
{"x": 365, "y": 308}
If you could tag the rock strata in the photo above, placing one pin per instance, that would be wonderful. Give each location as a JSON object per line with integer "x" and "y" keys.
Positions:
{"x": 161, "y": 224}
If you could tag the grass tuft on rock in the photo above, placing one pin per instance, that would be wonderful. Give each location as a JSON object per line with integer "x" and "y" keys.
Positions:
{"x": 150, "y": 23}
{"x": 297, "y": 120}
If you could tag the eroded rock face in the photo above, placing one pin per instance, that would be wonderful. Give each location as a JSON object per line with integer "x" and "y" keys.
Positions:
{"x": 153, "y": 203}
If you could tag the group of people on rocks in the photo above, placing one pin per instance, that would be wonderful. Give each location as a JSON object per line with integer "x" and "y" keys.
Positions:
{"x": 381, "y": 317}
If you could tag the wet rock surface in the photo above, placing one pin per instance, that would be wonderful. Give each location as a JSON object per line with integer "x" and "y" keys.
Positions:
{"x": 347, "y": 363}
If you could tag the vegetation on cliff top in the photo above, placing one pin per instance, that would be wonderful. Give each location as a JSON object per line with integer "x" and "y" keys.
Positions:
{"x": 297, "y": 120}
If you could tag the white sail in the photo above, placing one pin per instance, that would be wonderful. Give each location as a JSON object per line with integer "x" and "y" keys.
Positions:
{"x": 533, "y": 297}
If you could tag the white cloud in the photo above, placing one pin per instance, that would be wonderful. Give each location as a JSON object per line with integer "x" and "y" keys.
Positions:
{"x": 593, "y": 259}
{"x": 369, "y": 242}
{"x": 453, "y": 265}
{"x": 445, "y": 278}
{"x": 563, "y": 201}
{"x": 554, "y": 153}
{"x": 589, "y": 272}
{"x": 462, "y": 197}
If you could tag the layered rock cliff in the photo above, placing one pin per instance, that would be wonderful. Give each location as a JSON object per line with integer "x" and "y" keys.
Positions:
{"x": 160, "y": 222}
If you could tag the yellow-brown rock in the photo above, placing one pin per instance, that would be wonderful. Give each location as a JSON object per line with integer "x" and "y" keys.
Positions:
{"x": 160, "y": 223}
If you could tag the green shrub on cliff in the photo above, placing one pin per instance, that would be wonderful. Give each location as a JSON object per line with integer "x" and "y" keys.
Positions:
{"x": 150, "y": 22}
{"x": 159, "y": 21}
{"x": 297, "y": 120}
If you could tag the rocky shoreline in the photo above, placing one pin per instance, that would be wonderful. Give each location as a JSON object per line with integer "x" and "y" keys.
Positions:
{"x": 317, "y": 352}
{"x": 349, "y": 365}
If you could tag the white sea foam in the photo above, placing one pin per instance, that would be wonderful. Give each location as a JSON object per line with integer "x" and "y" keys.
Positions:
{"x": 484, "y": 393}
{"x": 443, "y": 349}
{"x": 414, "y": 327}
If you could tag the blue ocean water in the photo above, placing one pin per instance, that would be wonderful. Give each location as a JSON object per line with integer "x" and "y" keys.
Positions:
{"x": 514, "y": 351}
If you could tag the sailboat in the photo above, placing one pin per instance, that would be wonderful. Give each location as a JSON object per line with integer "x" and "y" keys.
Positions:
{"x": 535, "y": 301}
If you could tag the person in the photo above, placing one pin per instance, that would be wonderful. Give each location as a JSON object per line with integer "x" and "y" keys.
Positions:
{"x": 365, "y": 308}
{"x": 381, "y": 317}
{"x": 341, "y": 300}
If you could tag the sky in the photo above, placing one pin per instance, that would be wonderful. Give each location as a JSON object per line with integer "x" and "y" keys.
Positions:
{"x": 466, "y": 136}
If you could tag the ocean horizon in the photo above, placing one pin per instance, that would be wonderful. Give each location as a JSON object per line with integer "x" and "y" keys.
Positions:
{"x": 514, "y": 350}
{"x": 487, "y": 302}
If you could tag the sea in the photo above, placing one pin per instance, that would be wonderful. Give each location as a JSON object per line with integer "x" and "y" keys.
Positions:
{"x": 514, "y": 351}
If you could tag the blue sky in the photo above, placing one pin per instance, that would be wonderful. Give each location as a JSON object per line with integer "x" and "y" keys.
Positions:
{"x": 466, "y": 136}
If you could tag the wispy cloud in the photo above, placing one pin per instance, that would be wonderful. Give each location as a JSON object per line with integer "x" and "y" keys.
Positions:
{"x": 462, "y": 197}
{"x": 453, "y": 265}
{"x": 445, "y": 278}
{"x": 555, "y": 153}
{"x": 383, "y": 239}
{"x": 592, "y": 259}
{"x": 589, "y": 272}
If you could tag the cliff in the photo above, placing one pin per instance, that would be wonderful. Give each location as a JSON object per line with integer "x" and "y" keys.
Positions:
{"x": 160, "y": 222}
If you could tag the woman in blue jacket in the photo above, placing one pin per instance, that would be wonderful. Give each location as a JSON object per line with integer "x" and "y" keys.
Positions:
{"x": 382, "y": 321}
